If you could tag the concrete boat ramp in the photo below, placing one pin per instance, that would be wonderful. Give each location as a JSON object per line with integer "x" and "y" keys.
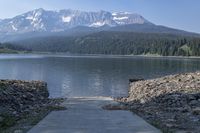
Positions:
{"x": 85, "y": 115}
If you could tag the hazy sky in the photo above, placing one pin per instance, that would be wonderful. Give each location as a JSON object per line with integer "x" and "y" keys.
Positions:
{"x": 182, "y": 14}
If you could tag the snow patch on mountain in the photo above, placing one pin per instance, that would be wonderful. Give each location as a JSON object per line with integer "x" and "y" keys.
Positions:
{"x": 114, "y": 13}
{"x": 120, "y": 18}
{"x": 97, "y": 24}
{"x": 29, "y": 17}
{"x": 66, "y": 19}
{"x": 14, "y": 28}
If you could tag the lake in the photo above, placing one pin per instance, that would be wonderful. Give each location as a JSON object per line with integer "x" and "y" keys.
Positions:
{"x": 77, "y": 76}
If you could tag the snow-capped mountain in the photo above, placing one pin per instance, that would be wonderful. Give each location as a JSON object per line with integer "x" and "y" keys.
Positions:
{"x": 55, "y": 21}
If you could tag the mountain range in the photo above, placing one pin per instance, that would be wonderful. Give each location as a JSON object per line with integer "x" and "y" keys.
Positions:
{"x": 54, "y": 21}
{"x": 40, "y": 22}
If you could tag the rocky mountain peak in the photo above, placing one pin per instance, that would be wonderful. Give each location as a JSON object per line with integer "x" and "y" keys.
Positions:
{"x": 54, "y": 21}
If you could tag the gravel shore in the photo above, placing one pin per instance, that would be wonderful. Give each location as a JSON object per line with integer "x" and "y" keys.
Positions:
{"x": 171, "y": 103}
{"x": 23, "y": 104}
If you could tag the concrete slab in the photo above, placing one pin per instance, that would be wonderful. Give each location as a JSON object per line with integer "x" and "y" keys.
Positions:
{"x": 85, "y": 115}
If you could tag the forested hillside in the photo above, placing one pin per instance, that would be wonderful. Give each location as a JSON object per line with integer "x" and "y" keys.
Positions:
{"x": 10, "y": 48}
{"x": 123, "y": 43}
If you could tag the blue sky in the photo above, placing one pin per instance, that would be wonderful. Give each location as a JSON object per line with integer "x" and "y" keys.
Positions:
{"x": 182, "y": 14}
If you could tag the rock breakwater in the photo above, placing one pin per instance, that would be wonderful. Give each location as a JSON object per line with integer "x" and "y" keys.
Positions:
{"x": 171, "y": 103}
{"x": 23, "y": 103}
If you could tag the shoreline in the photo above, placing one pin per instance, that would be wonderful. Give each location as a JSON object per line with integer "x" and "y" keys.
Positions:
{"x": 23, "y": 104}
{"x": 98, "y": 55}
{"x": 170, "y": 103}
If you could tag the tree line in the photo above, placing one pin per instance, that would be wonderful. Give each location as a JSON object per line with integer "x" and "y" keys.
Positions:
{"x": 115, "y": 43}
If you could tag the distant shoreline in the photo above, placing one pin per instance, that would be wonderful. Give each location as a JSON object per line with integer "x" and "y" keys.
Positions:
{"x": 101, "y": 55}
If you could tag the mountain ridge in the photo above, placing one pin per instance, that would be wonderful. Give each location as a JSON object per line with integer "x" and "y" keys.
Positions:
{"x": 56, "y": 21}
{"x": 68, "y": 22}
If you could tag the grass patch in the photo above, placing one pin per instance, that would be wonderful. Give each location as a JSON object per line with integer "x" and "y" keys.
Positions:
{"x": 185, "y": 50}
{"x": 27, "y": 120}
{"x": 7, "y": 122}
{"x": 159, "y": 125}
{"x": 3, "y": 86}
{"x": 56, "y": 108}
{"x": 5, "y": 50}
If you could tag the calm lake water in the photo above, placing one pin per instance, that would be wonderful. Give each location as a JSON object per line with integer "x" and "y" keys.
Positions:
{"x": 69, "y": 76}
